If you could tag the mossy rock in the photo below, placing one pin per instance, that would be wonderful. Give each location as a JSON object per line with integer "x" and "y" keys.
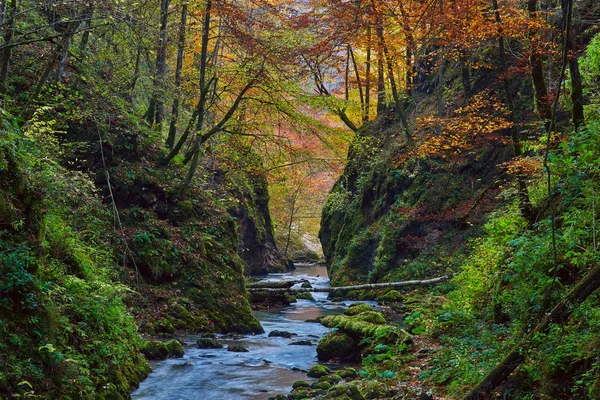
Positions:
{"x": 305, "y": 296}
{"x": 154, "y": 350}
{"x": 306, "y": 285}
{"x": 333, "y": 379}
{"x": 391, "y": 296}
{"x": 357, "y": 308}
{"x": 237, "y": 348}
{"x": 348, "y": 373}
{"x": 299, "y": 384}
{"x": 175, "y": 348}
{"x": 373, "y": 317}
{"x": 345, "y": 391}
{"x": 302, "y": 394}
{"x": 320, "y": 385}
{"x": 164, "y": 326}
{"x": 318, "y": 371}
{"x": 290, "y": 298}
{"x": 208, "y": 343}
{"x": 338, "y": 345}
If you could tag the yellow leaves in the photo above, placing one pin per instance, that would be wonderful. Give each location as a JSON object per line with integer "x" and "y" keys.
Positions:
{"x": 484, "y": 118}
{"x": 524, "y": 166}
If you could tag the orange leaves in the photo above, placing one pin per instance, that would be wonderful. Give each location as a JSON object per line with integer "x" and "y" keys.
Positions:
{"x": 484, "y": 118}
{"x": 524, "y": 166}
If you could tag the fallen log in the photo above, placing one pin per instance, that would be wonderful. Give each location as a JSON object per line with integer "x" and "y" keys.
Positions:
{"x": 272, "y": 285}
{"x": 559, "y": 314}
{"x": 353, "y": 287}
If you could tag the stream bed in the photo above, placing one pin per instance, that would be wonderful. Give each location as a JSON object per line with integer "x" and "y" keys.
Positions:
{"x": 270, "y": 366}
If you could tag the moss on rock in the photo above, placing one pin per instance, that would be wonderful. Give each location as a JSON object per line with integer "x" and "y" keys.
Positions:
{"x": 336, "y": 345}
{"x": 318, "y": 371}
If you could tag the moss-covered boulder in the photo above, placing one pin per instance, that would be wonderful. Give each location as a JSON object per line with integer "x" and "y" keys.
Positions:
{"x": 322, "y": 385}
{"x": 372, "y": 317}
{"x": 357, "y": 308}
{"x": 336, "y": 345}
{"x": 174, "y": 348}
{"x": 237, "y": 348}
{"x": 300, "y": 384}
{"x": 348, "y": 373}
{"x": 305, "y": 296}
{"x": 318, "y": 371}
{"x": 208, "y": 343}
{"x": 155, "y": 350}
{"x": 344, "y": 391}
{"x": 391, "y": 296}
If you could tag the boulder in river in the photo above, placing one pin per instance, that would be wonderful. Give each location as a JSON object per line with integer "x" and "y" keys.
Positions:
{"x": 208, "y": 343}
{"x": 284, "y": 334}
{"x": 174, "y": 348}
{"x": 302, "y": 343}
{"x": 237, "y": 348}
{"x": 154, "y": 350}
{"x": 305, "y": 296}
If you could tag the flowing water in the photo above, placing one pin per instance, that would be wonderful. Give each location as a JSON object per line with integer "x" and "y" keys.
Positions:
{"x": 270, "y": 366}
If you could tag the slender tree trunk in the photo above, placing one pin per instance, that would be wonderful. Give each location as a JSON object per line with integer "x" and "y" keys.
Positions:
{"x": 381, "y": 100}
{"x": 358, "y": 80}
{"x": 395, "y": 95}
{"x": 85, "y": 37}
{"x": 136, "y": 71}
{"x": 180, "y": 49}
{"x": 576, "y": 85}
{"x": 367, "y": 108}
{"x": 63, "y": 50}
{"x": 9, "y": 31}
{"x": 524, "y": 203}
{"x": 409, "y": 66}
{"x": 291, "y": 221}
{"x": 466, "y": 78}
{"x": 3, "y": 8}
{"x": 347, "y": 75}
{"x": 440, "y": 94}
{"x": 540, "y": 92}
{"x": 161, "y": 62}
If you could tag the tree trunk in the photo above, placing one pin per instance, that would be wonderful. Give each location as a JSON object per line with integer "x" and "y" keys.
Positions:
{"x": 466, "y": 78}
{"x": 561, "y": 313}
{"x": 63, "y": 50}
{"x": 9, "y": 31}
{"x": 85, "y": 37}
{"x": 180, "y": 49}
{"x": 387, "y": 285}
{"x": 396, "y": 96}
{"x": 358, "y": 80}
{"x": 366, "y": 110}
{"x": 540, "y": 92}
{"x": 381, "y": 100}
{"x": 524, "y": 203}
{"x": 439, "y": 97}
{"x": 156, "y": 108}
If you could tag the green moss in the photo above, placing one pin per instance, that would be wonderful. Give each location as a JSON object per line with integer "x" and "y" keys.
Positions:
{"x": 318, "y": 371}
{"x": 390, "y": 296}
{"x": 299, "y": 384}
{"x": 345, "y": 391}
{"x": 357, "y": 308}
{"x": 154, "y": 350}
{"x": 372, "y": 317}
{"x": 336, "y": 345}
{"x": 174, "y": 348}
{"x": 305, "y": 296}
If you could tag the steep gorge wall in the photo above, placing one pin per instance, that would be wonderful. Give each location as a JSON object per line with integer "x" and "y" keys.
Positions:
{"x": 387, "y": 219}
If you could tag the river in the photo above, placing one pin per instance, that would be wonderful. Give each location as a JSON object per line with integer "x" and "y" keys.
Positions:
{"x": 271, "y": 365}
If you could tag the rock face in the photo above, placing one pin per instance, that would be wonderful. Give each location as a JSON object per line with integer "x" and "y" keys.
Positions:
{"x": 257, "y": 243}
{"x": 387, "y": 212}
